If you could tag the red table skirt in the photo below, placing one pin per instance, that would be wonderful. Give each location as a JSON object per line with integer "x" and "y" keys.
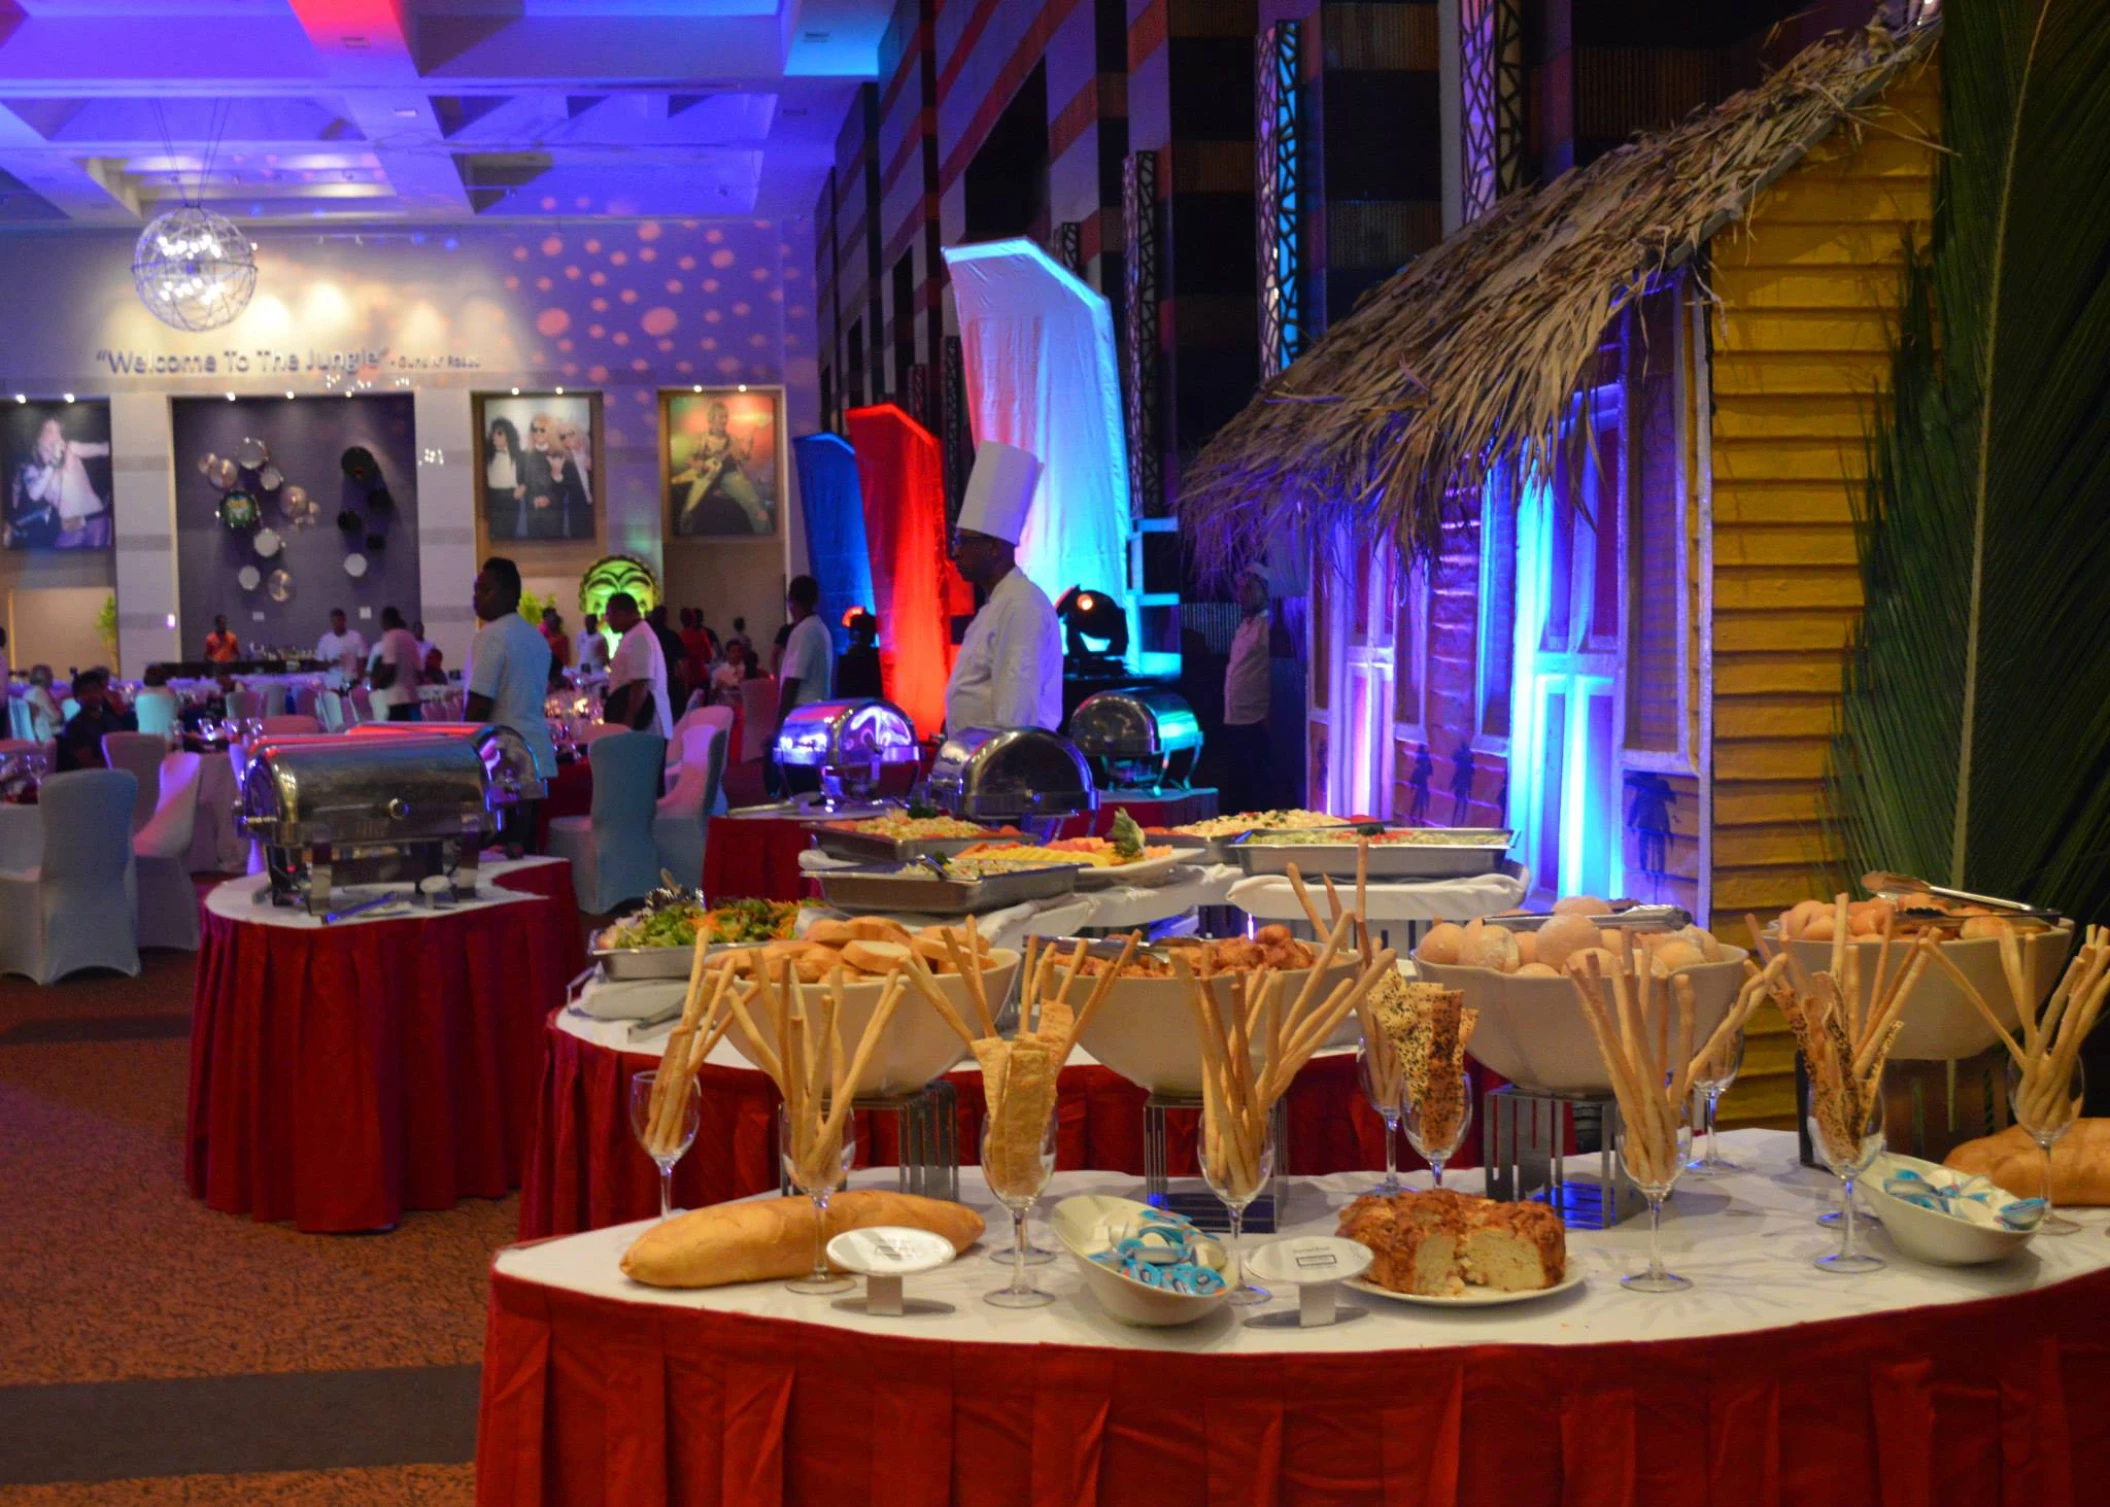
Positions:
{"x": 1999, "y": 1403}
{"x": 340, "y": 1076}
{"x": 585, "y": 1171}
{"x": 754, "y": 857}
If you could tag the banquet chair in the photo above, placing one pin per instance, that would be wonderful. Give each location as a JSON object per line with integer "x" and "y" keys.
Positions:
{"x": 593, "y": 732}
{"x": 21, "y": 723}
{"x": 167, "y": 914}
{"x": 141, "y": 754}
{"x": 613, "y": 859}
{"x": 758, "y": 704}
{"x": 156, "y": 712}
{"x": 304, "y": 700}
{"x": 245, "y": 704}
{"x": 291, "y": 722}
{"x": 678, "y": 825}
{"x": 359, "y": 705}
{"x": 329, "y": 711}
{"x": 75, "y": 910}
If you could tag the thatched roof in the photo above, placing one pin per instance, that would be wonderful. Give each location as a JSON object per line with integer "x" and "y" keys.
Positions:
{"x": 1471, "y": 354}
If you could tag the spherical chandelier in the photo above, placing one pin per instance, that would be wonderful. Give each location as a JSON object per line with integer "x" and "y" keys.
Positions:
{"x": 194, "y": 269}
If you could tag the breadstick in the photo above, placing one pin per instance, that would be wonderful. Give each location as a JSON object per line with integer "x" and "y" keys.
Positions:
{"x": 1311, "y": 912}
{"x": 889, "y": 999}
{"x": 970, "y": 968}
{"x": 1100, "y": 991}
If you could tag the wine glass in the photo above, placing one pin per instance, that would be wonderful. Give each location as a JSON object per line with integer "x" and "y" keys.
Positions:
{"x": 1017, "y": 1180}
{"x": 1383, "y": 1092}
{"x": 1848, "y": 1161}
{"x": 1436, "y": 1126}
{"x": 674, "y": 1140}
{"x": 1653, "y": 1167}
{"x": 1719, "y": 1072}
{"x": 1236, "y": 1183}
{"x": 2047, "y": 1114}
{"x": 819, "y": 1178}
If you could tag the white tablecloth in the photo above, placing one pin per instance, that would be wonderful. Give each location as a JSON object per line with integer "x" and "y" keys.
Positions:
{"x": 1270, "y": 897}
{"x": 1745, "y": 1241}
{"x": 21, "y": 837}
{"x": 215, "y": 848}
{"x": 236, "y": 899}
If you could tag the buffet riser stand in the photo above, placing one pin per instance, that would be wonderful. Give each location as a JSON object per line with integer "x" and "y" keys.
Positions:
{"x": 1768, "y": 1382}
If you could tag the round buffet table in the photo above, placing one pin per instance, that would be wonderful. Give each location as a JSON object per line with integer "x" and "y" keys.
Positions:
{"x": 585, "y": 1171}
{"x": 1768, "y": 1382}
{"x": 343, "y": 1074}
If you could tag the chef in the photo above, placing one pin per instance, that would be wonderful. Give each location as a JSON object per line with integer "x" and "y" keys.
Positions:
{"x": 1009, "y": 673}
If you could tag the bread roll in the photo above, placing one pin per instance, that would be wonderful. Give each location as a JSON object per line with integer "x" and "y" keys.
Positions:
{"x": 1562, "y": 937}
{"x": 1442, "y": 943}
{"x": 2080, "y": 1163}
{"x": 765, "y": 1238}
{"x": 830, "y": 933}
{"x": 1580, "y": 905}
{"x": 877, "y": 957}
{"x": 878, "y": 929}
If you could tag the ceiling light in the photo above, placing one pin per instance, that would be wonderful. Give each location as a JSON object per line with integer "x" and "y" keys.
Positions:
{"x": 408, "y": 112}
{"x": 289, "y": 392}
{"x": 743, "y": 387}
{"x": 230, "y": 397}
{"x": 697, "y": 388}
{"x": 69, "y": 397}
{"x": 516, "y": 392}
{"x": 193, "y": 269}
{"x": 560, "y": 392}
{"x": 355, "y": 44}
{"x": 21, "y": 397}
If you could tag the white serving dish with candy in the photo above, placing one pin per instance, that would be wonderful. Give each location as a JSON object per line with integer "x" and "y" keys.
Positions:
{"x": 1145, "y": 1266}
{"x": 1947, "y": 1218}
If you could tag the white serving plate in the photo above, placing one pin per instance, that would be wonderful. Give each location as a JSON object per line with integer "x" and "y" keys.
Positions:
{"x": 1144, "y": 1031}
{"x": 1533, "y": 1032}
{"x": 1472, "y": 1297}
{"x": 917, "y": 1046}
{"x": 1941, "y": 1024}
{"x": 1075, "y": 1220}
{"x": 1151, "y": 871}
{"x": 1925, "y": 1235}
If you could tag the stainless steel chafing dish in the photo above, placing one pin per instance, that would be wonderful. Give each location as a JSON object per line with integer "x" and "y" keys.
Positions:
{"x": 849, "y": 743}
{"x": 508, "y": 760}
{"x": 335, "y": 811}
{"x": 1022, "y": 775}
{"x": 1140, "y": 738}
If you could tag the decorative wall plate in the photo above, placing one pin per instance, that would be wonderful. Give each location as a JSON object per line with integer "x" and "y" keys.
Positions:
{"x": 252, "y": 453}
{"x": 270, "y": 478}
{"x": 268, "y": 542}
{"x": 249, "y": 578}
{"x": 279, "y": 586}
{"x": 355, "y": 566}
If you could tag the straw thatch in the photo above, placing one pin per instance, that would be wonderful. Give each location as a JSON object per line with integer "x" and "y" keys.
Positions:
{"x": 1471, "y": 354}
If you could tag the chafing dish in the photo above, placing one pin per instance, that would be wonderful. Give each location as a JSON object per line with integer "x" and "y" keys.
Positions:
{"x": 849, "y": 744}
{"x": 507, "y": 758}
{"x": 916, "y": 889}
{"x": 1407, "y": 852}
{"x": 1140, "y": 738}
{"x": 336, "y": 811}
{"x": 834, "y": 838}
{"x": 1022, "y": 775}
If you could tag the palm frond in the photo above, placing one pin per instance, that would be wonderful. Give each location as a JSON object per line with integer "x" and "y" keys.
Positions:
{"x": 1973, "y": 744}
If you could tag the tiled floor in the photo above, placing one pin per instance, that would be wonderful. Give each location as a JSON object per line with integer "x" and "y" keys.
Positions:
{"x": 111, "y": 1273}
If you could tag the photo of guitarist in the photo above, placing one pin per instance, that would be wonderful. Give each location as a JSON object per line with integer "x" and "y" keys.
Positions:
{"x": 716, "y": 472}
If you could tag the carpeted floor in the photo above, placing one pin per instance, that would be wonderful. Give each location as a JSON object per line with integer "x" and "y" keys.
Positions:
{"x": 154, "y": 1351}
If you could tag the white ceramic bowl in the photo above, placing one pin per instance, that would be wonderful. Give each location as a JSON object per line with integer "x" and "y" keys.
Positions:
{"x": 1076, "y": 1221}
{"x": 917, "y": 1046}
{"x": 1941, "y": 1025}
{"x": 1144, "y": 1030}
{"x": 1925, "y": 1235}
{"x": 1533, "y": 1032}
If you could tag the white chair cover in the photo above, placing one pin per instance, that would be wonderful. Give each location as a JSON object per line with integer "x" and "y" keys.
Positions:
{"x": 141, "y": 755}
{"x": 21, "y": 723}
{"x": 168, "y": 901}
{"x": 76, "y": 910}
{"x": 678, "y": 825}
{"x": 718, "y": 717}
{"x": 329, "y": 711}
{"x": 245, "y": 704}
{"x": 613, "y": 857}
{"x": 157, "y": 711}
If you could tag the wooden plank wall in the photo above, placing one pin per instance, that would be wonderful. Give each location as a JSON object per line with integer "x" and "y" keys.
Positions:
{"x": 1807, "y": 286}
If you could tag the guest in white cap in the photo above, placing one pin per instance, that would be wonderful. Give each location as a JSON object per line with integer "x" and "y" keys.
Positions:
{"x": 1009, "y": 673}
{"x": 1244, "y": 776}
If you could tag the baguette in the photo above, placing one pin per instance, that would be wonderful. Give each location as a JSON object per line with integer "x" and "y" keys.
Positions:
{"x": 761, "y": 1239}
{"x": 2080, "y": 1163}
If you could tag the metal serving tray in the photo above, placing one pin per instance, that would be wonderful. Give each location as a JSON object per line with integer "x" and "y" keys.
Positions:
{"x": 1221, "y": 848}
{"x": 870, "y": 847}
{"x": 886, "y": 891}
{"x": 624, "y": 964}
{"x": 1480, "y": 850}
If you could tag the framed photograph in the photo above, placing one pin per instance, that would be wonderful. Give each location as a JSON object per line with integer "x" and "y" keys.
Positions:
{"x": 56, "y": 458}
{"x": 722, "y": 456}
{"x": 538, "y": 466}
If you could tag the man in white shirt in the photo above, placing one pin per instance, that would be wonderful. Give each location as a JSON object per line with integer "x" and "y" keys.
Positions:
{"x": 342, "y": 648}
{"x": 807, "y": 671}
{"x": 508, "y": 680}
{"x": 1244, "y": 776}
{"x": 1009, "y": 673}
{"x": 395, "y": 668}
{"x": 638, "y": 670}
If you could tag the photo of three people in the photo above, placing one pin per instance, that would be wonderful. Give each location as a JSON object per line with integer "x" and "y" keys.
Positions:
{"x": 537, "y": 466}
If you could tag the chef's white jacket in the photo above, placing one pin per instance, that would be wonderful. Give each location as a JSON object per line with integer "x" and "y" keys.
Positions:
{"x": 1009, "y": 673}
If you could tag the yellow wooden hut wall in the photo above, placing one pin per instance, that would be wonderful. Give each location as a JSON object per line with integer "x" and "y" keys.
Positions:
{"x": 1806, "y": 289}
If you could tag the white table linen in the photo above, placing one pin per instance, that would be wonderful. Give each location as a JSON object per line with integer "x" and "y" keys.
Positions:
{"x": 237, "y": 899}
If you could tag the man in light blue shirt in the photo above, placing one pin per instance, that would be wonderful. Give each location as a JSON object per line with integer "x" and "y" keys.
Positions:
{"x": 508, "y": 679}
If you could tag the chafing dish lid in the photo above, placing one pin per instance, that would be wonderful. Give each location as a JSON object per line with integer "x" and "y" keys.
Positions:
{"x": 834, "y": 734}
{"x": 362, "y": 789}
{"x": 507, "y": 758}
{"x": 1002, "y": 773}
{"x": 1135, "y": 723}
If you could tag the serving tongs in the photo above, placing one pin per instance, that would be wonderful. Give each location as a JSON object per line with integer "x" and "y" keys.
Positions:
{"x": 1633, "y": 918}
{"x": 1885, "y": 885}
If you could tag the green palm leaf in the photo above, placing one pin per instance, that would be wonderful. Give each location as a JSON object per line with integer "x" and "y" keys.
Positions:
{"x": 1973, "y": 744}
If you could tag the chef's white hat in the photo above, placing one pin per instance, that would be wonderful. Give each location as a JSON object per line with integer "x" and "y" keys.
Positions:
{"x": 999, "y": 491}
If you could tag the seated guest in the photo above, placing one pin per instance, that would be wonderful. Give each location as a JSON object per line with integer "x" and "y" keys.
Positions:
{"x": 45, "y": 718}
{"x": 221, "y": 646}
{"x": 81, "y": 742}
{"x": 725, "y": 680}
{"x": 435, "y": 666}
{"x": 155, "y": 705}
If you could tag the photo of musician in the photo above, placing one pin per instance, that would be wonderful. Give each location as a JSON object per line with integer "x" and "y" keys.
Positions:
{"x": 57, "y": 458}
{"x": 721, "y": 459}
{"x": 536, "y": 476}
